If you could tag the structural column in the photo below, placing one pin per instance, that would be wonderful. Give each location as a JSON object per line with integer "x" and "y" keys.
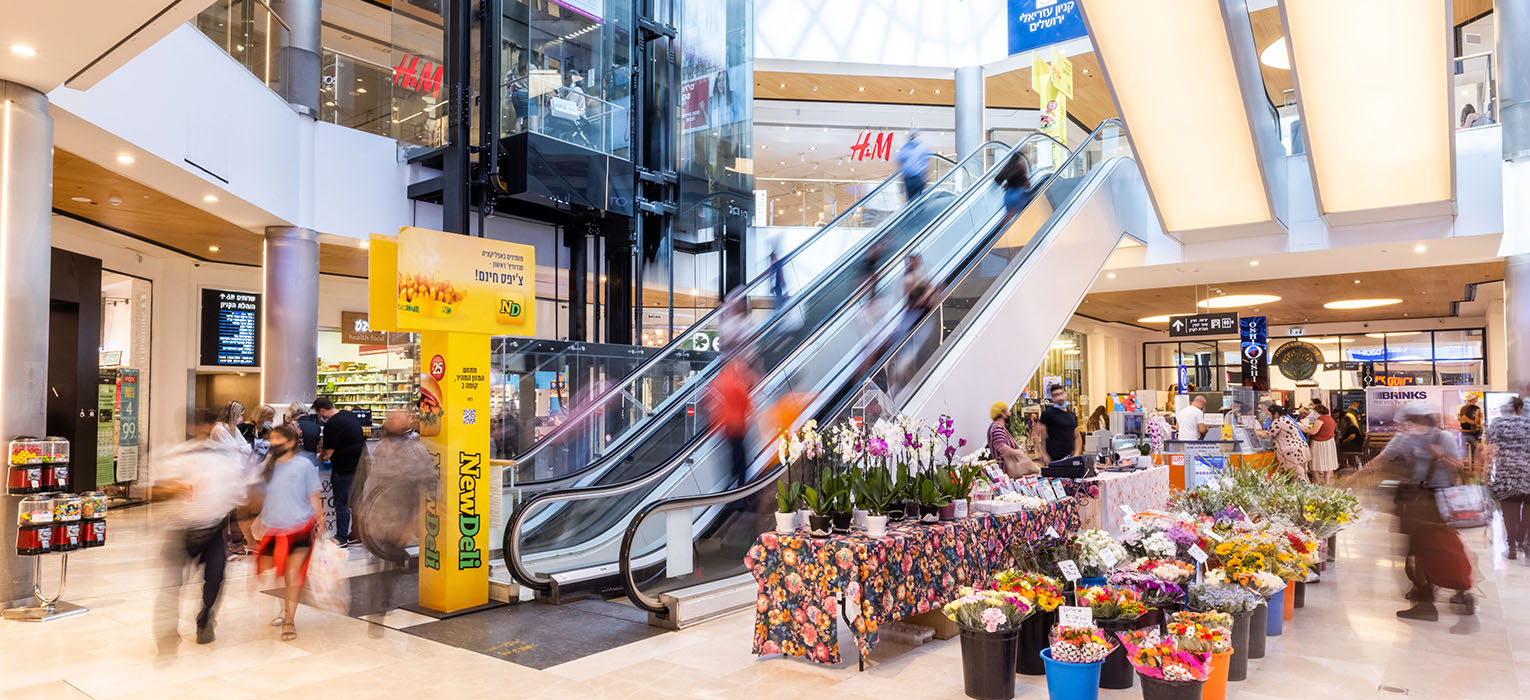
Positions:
{"x": 299, "y": 55}
{"x": 290, "y": 317}
{"x": 26, "y": 180}
{"x": 969, "y": 110}
{"x": 1513, "y": 31}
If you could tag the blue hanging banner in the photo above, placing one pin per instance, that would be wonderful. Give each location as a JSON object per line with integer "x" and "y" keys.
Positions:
{"x": 1253, "y": 336}
{"x": 1182, "y": 385}
{"x": 1037, "y": 23}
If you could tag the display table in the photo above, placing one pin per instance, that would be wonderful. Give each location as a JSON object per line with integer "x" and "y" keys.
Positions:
{"x": 1140, "y": 490}
{"x": 914, "y": 569}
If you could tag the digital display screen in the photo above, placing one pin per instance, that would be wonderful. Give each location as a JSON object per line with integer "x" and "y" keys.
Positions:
{"x": 230, "y": 328}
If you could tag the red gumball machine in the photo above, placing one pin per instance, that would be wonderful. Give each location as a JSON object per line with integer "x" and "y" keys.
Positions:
{"x": 34, "y": 531}
{"x": 46, "y": 523}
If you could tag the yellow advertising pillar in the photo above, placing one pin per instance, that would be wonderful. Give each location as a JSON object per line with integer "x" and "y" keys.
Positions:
{"x": 1054, "y": 83}
{"x": 457, "y": 292}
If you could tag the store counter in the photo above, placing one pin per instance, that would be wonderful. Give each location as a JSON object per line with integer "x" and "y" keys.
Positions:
{"x": 1141, "y": 490}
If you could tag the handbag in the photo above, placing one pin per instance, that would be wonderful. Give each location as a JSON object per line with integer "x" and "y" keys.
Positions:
{"x": 565, "y": 109}
{"x": 1461, "y": 505}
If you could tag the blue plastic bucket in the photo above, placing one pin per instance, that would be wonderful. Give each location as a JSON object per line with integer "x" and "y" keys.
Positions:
{"x": 1068, "y": 681}
{"x": 1274, "y": 619}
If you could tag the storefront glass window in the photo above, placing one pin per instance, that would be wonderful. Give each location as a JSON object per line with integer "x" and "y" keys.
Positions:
{"x": 1458, "y": 345}
{"x": 1159, "y": 354}
{"x": 373, "y": 378}
{"x": 1455, "y": 372}
{"x": 419, "y": 89}
{"x": 567, "y": 72}
{"x": 123, "y": 395}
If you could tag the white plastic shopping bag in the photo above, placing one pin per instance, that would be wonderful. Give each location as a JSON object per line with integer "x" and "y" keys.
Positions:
{"x": 327, "y": 585}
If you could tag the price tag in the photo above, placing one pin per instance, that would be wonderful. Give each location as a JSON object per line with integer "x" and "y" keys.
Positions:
{"x": 1213, "y": 535}
{"x": 1214, "y": 484}
{"x": 1069, "y": 569}
{"x": 1108, "y": 557}
{"x": 1198, "y": 554}
{"x": 1052, "y": 533}
{"x": 1127, "y": 510}
{"x": 1075, "y": 617}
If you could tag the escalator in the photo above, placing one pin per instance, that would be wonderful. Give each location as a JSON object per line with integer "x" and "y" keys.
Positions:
{"x": 1003, "y": 301}
{"x": 643, "y": 422}
{"x": 577, "y": 543}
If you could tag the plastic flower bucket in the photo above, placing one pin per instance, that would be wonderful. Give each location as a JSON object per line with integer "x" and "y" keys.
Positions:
{"x": 1215, "y": 687}
{"x": 1070, "y": 681}
{"x": 1035, "y": 636}
{"x": 1159, "y": 689}
{"x": 988, "y": 663}
{"x": 1288, "y": 608}
{"x": 1256, "y": 631}
{"x": 1275, "y": 614}
{"x": 1237, "y": 665}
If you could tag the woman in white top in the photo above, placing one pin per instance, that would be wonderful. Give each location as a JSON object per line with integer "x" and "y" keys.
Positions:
{"x": 226, "y": 430}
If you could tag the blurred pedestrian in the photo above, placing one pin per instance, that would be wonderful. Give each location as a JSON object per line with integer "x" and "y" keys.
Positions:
{"x": 260, "y": 430}
{"x": 913, "y": 162}
{"x": 342, "y": 445}
{"x": 1325, "y": 449}
{"x": 1508, "y": 446}
{"x": 1290, "y": 442}
{"x": 1471, "y": 420}
{"x": 307, "y": 425}
{"x": 391, "y": 486}
{"x": 1056, "y": 429}
{"x": 919, "y": 298}
{"x": 1002, "y": 445}
{"x": 1015, "y": 178}
{"x": 200, "y": 481}
{"x": 730, "y": 411}
{"x": 226, "y": 429}
{"x": 293, "y": 517}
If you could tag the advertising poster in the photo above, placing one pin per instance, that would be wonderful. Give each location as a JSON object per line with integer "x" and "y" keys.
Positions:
{"x": 1037, "y": 23}
{"x": 1253, "y": 338}
{"x": 454, "y": 426}
{"x": 451, "y": 282}
{"x": 693, "y": 104}
{"x": 1383, "y": 402}
{"x": 382, "y": 276}
{"x": 106, "y": 429}
{"x": 127, "y": 425}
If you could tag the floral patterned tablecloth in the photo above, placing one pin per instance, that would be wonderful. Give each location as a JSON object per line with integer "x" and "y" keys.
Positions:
{"x": 914, "y": 569}
{"x": 1141, "y": 490}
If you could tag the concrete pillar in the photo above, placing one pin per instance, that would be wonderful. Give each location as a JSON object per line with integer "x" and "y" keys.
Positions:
{"x": 26, "y": 182}
{"x": 1512, "y": 27}
{"x": 970, "y": 129}
{"x": 299, "y": 56}
{"x": 290, "y": 319}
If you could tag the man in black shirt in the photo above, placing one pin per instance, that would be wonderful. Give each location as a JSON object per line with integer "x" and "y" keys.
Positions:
{"x": 342, "y": 445}
{"x": 1057, "y": 428}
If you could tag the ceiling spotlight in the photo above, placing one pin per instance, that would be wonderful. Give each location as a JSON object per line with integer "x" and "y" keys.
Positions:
{"x": 1253, "y": 263}
{"x": 863, "y": 89}
{"x": 210, "y": 198}
{"x": 1110, "y": 275}
{"x": 1233, "y": 301}
{"x": 1360, "y": 303}
{"x": 82, "y": 200}
{"x": 1420, "y": 248}
{"x": 125, "y": 159}
{"x": 212, "y": 248}
{"x": 366, "y": 244}
{"x": 1357, "y": 281}
{"x": 23, "y": 50}
{"x": 362, "y": 91}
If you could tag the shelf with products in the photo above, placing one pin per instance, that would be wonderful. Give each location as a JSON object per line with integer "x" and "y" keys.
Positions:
{"x": 373, "y": 370}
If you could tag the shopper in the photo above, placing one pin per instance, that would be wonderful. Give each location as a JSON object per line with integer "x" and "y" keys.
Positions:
{"x": 1015, "y": 178}
{"x": 1192, "y": 419}
{"x": 226, "y": 429}
{"x": 293, "y": 517}
{"x": 307, "y": 426}
{"x": 913, "y": 162}
{"x": 1431, "y": 461}
{"x": 729, "y": 410}
{"x": 1099, "y": 420}
{"x": 1290, "y": 443}
{"x": 260, "y": 430}
{"x": 1002, "y": 445}
{"x": 1325, "y": 450}
{"x": 1508, "y": 446}
{"x": 1469, "y": 116}
{"x": 1351, "y": 437}
{"x": 201, "y": 480}
{"x": 1471, "y": 419}
{"x": 343, "y": 445}
{"x": 919, "y": 298}
{"x": 391, "y": 487}
{"x": 1057, "y": 428}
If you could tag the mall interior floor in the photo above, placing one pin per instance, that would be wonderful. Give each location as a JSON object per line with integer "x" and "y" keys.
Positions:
{"x": 1346, "y": 643}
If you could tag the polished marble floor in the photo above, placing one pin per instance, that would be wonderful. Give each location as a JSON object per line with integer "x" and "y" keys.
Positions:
{"x": 1346, "y": 643}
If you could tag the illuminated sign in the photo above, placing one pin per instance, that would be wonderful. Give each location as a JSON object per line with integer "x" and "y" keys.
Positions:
{"x": 419, "y": 76}
{"x": 865, "y": 150}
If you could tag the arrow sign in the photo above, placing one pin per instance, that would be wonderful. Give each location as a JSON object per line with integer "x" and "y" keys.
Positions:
{"x": 1179, "y": 325}
{"x": 1222, "y": 323}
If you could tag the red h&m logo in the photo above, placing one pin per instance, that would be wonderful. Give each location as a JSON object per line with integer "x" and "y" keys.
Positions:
{"x": 419, "y": 76}
{"x": 864, "y": 150}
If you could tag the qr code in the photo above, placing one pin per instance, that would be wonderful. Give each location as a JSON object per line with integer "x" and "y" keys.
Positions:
{"x": 470, "y": 416}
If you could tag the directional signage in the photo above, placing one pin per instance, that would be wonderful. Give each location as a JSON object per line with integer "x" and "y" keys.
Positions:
{"x": 1225, "y": 323}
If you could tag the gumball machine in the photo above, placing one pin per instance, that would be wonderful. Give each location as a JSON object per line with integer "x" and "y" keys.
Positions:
{"x": 48, "y": 522}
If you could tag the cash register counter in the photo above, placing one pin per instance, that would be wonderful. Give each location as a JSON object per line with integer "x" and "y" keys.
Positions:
{"x": 1176, "y": 464}
{"x": 1141, "y": 490}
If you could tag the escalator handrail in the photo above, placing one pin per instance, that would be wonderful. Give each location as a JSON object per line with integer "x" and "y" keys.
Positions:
{"x": 590, "y": 407}
{"x": 510, "y": 547}
{"x": 624, "y": 561}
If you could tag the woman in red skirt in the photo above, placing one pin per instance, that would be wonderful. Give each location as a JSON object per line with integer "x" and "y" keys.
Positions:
{"x": 292, "y": 515}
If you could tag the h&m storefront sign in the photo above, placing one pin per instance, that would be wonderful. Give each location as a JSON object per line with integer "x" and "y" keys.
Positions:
{"x": 1037, "y": 23}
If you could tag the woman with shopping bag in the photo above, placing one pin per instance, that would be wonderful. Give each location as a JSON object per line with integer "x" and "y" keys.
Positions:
{"x": 293, "y": 518}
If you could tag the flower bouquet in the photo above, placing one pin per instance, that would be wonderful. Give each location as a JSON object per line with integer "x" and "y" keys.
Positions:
{"x": 990, "y": 621}
{"x": 1080, "y": 645}
{"x": 1043, "y": 593}
{"x": 1160, "y": 534}
{"x": 1165, "y": 668}
{"x": 1239, "y": 603}
{"x": 1107, "y": 603}
{"x": 1153, "y": 591}
{"x": 1169, "y": 570}
{"x": 1074, "y": 659}
{"x": 1328, "y": 510}
{"x": 1262, "y": 583}
{"x": 1207, "y": 633}
{"x": 1098, "y": 552}
{"x": 1270, "y": 551}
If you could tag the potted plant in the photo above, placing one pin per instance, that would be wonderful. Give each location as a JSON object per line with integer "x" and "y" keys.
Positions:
{"x": 950, "y": 490}
{"x": 1206, "y": 633}
{"x": 931, "y": 499}
{"x": 1168, "y": 672}
{"x": 1237, "y": 602}
{"x": 788, "y": 496}
{"x": 1073, "y": 662}
{"x": 1044, "y": 593}
{"x": 819, "y": 523}
{"x": 990, "y": 624}
{"x": 875, "y": 494}
{"x": 1116, "y": 610}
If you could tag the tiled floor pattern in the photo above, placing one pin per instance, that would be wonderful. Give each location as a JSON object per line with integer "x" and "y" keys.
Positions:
{"x": 1346, "y": 643}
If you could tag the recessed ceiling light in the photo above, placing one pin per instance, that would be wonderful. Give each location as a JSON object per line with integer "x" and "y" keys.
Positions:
{"x": 1420, "y": 248}
{"x": 937, "y": 91}
{"x": 1360, "y": 303}
{"x": 1253, "y": 263}
{"x": 1232, "y": 301}
{"x": 1154, "y": 319}
{"x": 1110, "y": 275}
{"x": 85, "y": 200}
{"x": 210, "y": 198}
{"x": 362, "y": 91}
{"x": 1357, "y": 281}
{"x": 1398, "y": 334}
{"x": 1275, "y": 56}
{"x": 783, "y": 84}
{"x": 23, "y": 50}
{"x": 125, "y": 159}
{"x": 863, "y": 89}
{"x": 366, "y": 244}
{"x": 212, "y": 248}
